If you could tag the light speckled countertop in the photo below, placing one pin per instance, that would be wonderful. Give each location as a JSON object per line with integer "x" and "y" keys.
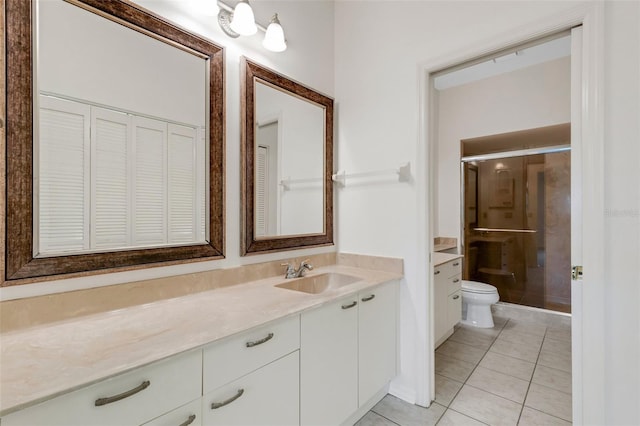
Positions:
{"x": 42, "y": 362}
{"x": 440, "y": 258}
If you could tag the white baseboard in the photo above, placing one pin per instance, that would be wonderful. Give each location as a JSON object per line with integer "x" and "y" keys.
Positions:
{"x": 405, "y": 393}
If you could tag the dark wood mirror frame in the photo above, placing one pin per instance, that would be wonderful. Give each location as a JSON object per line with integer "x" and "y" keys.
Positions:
{"x": 250, "y": 72}
{"x": 21, "y": 267}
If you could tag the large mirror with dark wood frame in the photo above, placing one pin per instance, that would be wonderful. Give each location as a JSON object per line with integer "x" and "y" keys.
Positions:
{"x": 115, "y": 140}
{"x": 287, "y": 163}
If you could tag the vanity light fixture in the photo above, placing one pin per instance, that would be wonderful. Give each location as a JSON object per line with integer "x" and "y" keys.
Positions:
{"x": 274, "y": 36}
{"x": 241, "y": 21}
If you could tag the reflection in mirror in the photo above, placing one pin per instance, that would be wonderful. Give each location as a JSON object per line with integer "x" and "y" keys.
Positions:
{"x": 114, "y": 157}
{"x": 287, "y": 163}
{"x": 289, "y": 153}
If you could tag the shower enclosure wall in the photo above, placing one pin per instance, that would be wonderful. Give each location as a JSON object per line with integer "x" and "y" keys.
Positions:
{"x": 517, "y": 227}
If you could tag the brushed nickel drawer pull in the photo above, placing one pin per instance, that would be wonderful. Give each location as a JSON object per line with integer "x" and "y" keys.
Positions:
{"x": 123, "y": 395}
{"x": 436, "y": 272}
{"x": 456, "y": 296}
{"x": 350, "y": 305}
{"x": 188, "y": 421}
{"x": 456, "y": 264}
{"x": 216, "y": 405}
{"x": 457, "y": 280}
{"x": 261, "y": 341}
{"x": 366, "y": 299}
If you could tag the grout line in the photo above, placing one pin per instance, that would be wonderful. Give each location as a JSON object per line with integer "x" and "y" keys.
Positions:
{"x": 384, "y": 417}
{"x": 532, "y": 374}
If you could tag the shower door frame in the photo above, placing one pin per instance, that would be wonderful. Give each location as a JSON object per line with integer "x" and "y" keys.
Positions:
{"x": 552, "y": 149}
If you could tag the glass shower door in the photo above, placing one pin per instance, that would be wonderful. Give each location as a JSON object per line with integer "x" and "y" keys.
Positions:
{"x": 517, "y": 224}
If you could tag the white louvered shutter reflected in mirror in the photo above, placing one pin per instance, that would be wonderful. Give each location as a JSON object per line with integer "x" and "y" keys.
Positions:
{"x": 110, "y": 201}
{"x": 63, "y": 176}
{"x": 150, "y": 200}
{"x": 115, "y": 180}
{"x": 261, "y": 191}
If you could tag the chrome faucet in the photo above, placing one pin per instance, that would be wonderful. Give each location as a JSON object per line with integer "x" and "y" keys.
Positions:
{"x": 297, "y": 273}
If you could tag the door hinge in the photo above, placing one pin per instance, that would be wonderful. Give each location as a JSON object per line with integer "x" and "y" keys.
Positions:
{"x": 576, "y": 272}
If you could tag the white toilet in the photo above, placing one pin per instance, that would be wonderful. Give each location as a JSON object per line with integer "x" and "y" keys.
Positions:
{"x": 477, "y": 299}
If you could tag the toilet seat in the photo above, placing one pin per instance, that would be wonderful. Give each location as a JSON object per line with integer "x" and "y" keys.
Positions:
{"x": 478, "y": 288}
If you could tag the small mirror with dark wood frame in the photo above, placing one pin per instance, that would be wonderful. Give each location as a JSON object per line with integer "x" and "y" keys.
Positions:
{"x": 24, "y": 117}
{"x": 286, "y": 163}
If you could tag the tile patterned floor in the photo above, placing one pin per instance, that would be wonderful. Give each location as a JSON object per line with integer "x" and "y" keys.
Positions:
{"x": 518, "y": 373}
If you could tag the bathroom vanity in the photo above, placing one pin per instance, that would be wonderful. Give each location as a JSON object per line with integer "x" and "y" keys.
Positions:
{"x": 251, "y": 353}
{"x": 447, "y": 269}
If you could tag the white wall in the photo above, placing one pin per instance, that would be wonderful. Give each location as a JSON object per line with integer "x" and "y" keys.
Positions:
{"x": 532, "y": 97}
{"x": 105, "y": 66}
{"x": 309, "y": 31}
{"x": 379, "y": 46}
{"x": 301, "y": 152}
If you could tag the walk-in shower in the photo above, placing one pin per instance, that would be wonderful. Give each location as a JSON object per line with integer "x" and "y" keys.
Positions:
{"x": 517, "y": 222}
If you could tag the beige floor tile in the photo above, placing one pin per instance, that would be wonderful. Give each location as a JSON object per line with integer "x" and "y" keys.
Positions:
{"x": 453, "y": 418}
{"x": 555, "y": 345}
{"x": 373, "y": 419}
{"x": 486, "y": 407}
{"x": 531, "y": 417}
{"x": 526, "y": 327}
{"x": 549, "y": 401}
{"x": 522, "y": 337}
{"x": 562, "y": 333}
{"x": 508, "y": 387}
{"x": 446, "y": 389}
{"x": 461, "y": 351}
{"x": 552, "y": 378}
{"x": 452, "y": 368}
{"x": 473, "y": 338}
{"x": 516, "y": 350}
{"x": 508, "y": 365}
{"x": 560, "y": 361}
{"x": 406, "y": 414}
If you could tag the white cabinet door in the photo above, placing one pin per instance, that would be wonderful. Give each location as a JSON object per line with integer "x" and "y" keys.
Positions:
{"x": 329, "y": 363}
{"x": 267, "y": 397}
{"x": 439, "y": 305}
{"x": 377, "y": 339}
{"x": 454, "y": 308}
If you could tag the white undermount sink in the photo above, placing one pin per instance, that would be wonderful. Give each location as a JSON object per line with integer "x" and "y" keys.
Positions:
{"x": 316, "y": 284}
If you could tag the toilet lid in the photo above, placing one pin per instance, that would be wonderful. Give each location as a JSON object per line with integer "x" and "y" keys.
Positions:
{"x": 476, "y": 287}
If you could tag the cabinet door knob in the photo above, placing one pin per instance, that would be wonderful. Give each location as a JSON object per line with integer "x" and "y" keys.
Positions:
{"x": 457, "y": 296}
{"x": 123, "y": 395}
{"x": 216, "y": 405}
{"x": 457, "y": 280}
{"x": 436, "y": 272}
{"x": 261, "y": 341}
{"x": 350, "y": 305}
{"x": 456, "y": 264}
{"x": 188, "y": 421}
{"x": 366, "y": 299}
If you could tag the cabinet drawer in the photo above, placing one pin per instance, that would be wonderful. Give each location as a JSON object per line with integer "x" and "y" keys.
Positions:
{"x": 449, "y": 269}
{"x": 229, "y": 359}
{"x": 153, "y": 390}
{"x": 454, "y": 284}
{"x": 187, "y": 415}
{"x": 268, "y": 397}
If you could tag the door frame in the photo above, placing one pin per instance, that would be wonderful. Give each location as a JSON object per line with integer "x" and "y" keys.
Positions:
{"x": 588, "y": 354}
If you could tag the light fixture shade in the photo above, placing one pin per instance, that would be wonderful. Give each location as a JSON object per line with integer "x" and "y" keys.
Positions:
{"x": 274, "y": 37}
{"x": 206, "y": 7}
{"x": 243, "y": 21}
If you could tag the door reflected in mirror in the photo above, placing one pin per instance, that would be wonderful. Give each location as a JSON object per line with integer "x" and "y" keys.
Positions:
{"x": 287, "y": 163}
{"x": 289, "y": 153}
